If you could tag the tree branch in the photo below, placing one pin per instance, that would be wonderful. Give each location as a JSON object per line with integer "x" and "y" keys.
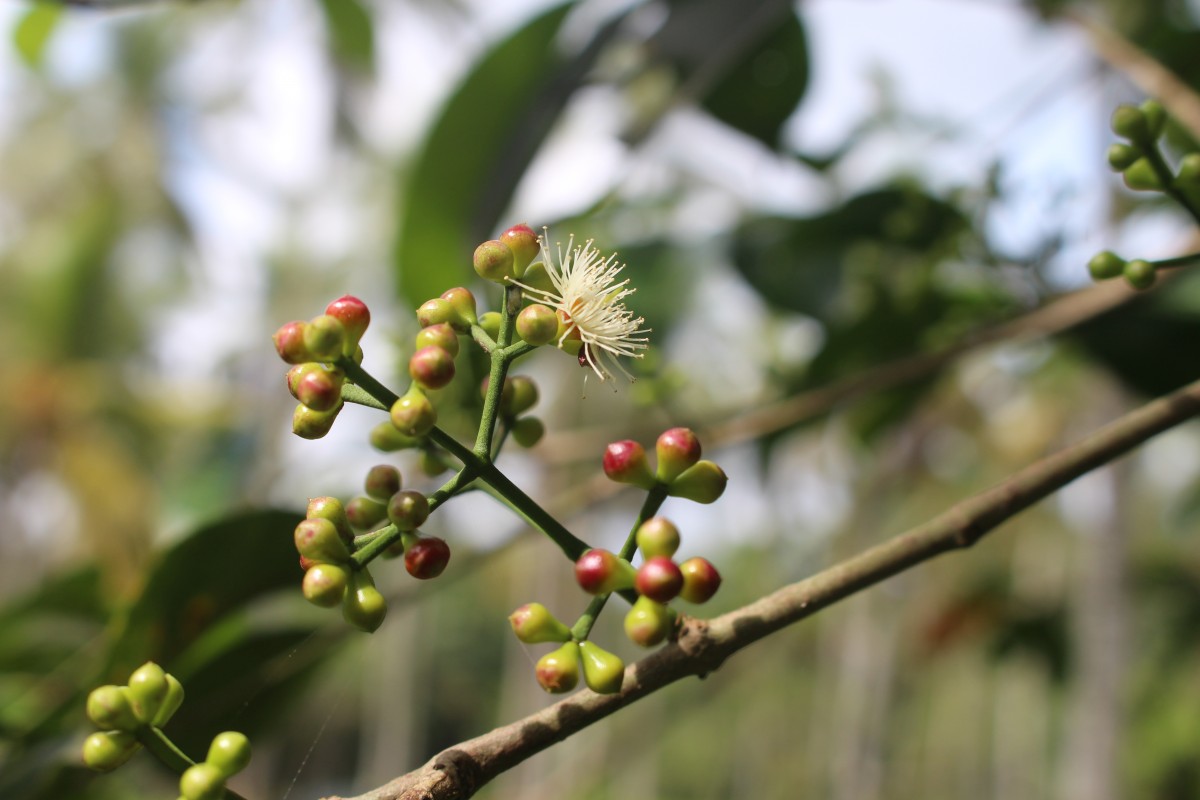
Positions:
{"x": 702, "y": 646}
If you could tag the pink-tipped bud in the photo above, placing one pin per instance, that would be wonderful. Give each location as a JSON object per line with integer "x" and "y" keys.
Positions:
{"x": 431, "y": 367}
{"x": 677, "y": 449}
{"x": 331, "y": 508}
{"x": 324, "y": 585}
{"x": 382, "y": 481}
{"x": 319, "y": 540}
{"x": 533, "y": 623}
{"x": 325, "y": 338}
{"x": 427, "y": 557}
{"x": 365, "y": 513}
{"x": 657, "y": 536}
{"x": 408, "y": 510}
{"x": 558, "y": 670}
{"x": 493, "y": 261}
{"x": 537, "y": 324}
{"x": 603, "y": 672}
{"x": 317, "y": 387}
{"x": 289, "y": 343}
{"x": 601, "y": 572}
{"x": 703, "y": 482}
{"x": 700, "y": 580}
{"x": 435, "y": 312}
{"x": 413, "y": 414}
{"x": 659, "y": 579}
{"x": 440, "y": 335}
{"x": 647, "y": 622}
{"x": 463, "y": 303}
{"x": 625, "y": 462}
{"x": 310, "y": 424}
{"x": 523, "y": 243}
{"x": 354, "y": 316}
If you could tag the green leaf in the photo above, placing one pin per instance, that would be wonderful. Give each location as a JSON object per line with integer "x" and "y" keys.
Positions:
{"x": 473, "y": 155}
{"x": 33, "y": 32}
{"x": 351, "y": 33}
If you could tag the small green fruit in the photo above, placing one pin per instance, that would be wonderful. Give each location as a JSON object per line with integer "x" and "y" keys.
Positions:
{"x": 408, "y": 510}
{"x": 703, "y": 482}
{"x": 463, "y": 303}
{"x": 442, "y": 336}
{"x": 331, "y": 508}
{"x": 325, "y": 337}
{"x": 493, "y": 261}
{"x": 324, "y": 585}
{"x": 148, "y": 690}
{"x": 1140, "y": 274}
{"x": 558, "y": 670}
{"x": 436, "y": 312}
{"x": 603, "y": 672}
{"x": 171, "y": 704}
{"x": 110, "y": 708}
{"x": 528, "y": 431}
{"x": 365, "y": 513}
{"x": 202, "y": 781}
{"x": 385, "y": 438}
{"x": 533, "y": 623}
{"x": 108, "y": 750}
{"x": 1130, "y": 123}
{"x": 1156, "y": 117}
{"x": 319, "y": 540}
{"x": 382, "y": 481}
{"x": 647, "y": 622}
{"x": 363, "y": 606}
{"x": 310, "y": 424}
{"x": 413, "y": 414}
{"x": 519, "y": 395}
{"x": 229, "y": 753}
{"x": 490, "y": 322}
{"x": 1121, "y": 156}
{"x": 537, "y": 324}
{"x": 657, "y": 536}
{"x": 1141, "y": 177}
{"x": 1105, "y": 265}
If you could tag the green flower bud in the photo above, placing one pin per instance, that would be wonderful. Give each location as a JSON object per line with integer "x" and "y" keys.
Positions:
{"x": 603, "y": 671}
{"x": 647, "y": 622}
{"x": 413, "y": 414}
{"x": 1130, "y": 123}
{"x": 325, "y": 337}
{"x": 310, "y": 424}
{"x": 677, "y": 450}
{"x": 383, "y": 481}
{"x": 1141, "y": 177}
{"x": 365, "y": 513}
{"x": 171, "y": 704}
{"x": 601, "y": 572}
{"x": 1156, "y": 117}
{"x": 408, "y": 510}
{"x": 148, "y": 690}
{"x": 490, "y": 322}
{"x": 431, "y": 367}
{"x": 110, "y": 708}
{"x": 319, "y": 540}
{"x": 1189, "y": 169}
{"x": 229, "y": 753}
{"x": 1122, "y": 156}
{"x": 441, "y": 335}
{"x": 463, "y": 303}
{"x": 536, "y": 277}
{"x": 354, "y": 316}
{"x": 703, "y": 482}
{"x": 106, "y": 751}
{"x": 657, "y": 536}
{"x": 558, "y": 670}
{"x": 289, "y": 343}
{"x": 493, "y": 261}
{"x": 431, "y": 463}
{"x": 363, "y": 606}
{"x": 537, "y": 324}
{"x": 1140, "y": 274}
{"x": 625, "y": 462}
{"x": 330, "y": 508}
{"x": 1105, "y": 265}
{"x": 324, "y": 585}
{"x": 523, "y": 243}
{"x": 436, "y": 312}
{"x": 528, "y": 431}
{"x": 700, "y": 580}
{"x": 533, "y": 623}
{"x": 316, "y": 387}
{"x": 386, "y": 438}
{"x": 202, "y": 781}
{"x": 519, "y": 395}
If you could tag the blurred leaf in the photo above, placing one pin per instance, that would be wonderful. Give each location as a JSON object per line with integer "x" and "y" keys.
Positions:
{"x": 444, "y": 215}
{"x": 33, "y": 32}
{"x": 351, "y": 33}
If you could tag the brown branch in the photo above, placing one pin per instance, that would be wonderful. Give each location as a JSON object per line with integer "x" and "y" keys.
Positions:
{"x": 702, "y": 646}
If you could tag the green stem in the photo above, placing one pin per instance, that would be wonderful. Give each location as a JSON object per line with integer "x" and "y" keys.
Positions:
{"x": 1178, "y": 261}
{"x": 383, "y": 395}
{"x": 381, "y": 540}
{"x": 174, "y": 759}
{"x": 1167, "y": 178}
{"x": 499, "y": 371}
{"x": 482, "y": 339}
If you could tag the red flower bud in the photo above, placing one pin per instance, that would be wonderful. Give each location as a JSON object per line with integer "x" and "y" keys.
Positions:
{"x": 440, "y": 335}
{"x": 289, "y": 343}
{"x": 700, "y": 580}
{"x": 677, "y": 449}
{"x": 659, "y": 579}
{"x": 427, "y": 557}
{"x": 354, "y": 316}
{"x": 523, "y": 243}
{"x": 625, "y": 462}
{"x": 602, "y": 572}
{"x": 431, "y": 367}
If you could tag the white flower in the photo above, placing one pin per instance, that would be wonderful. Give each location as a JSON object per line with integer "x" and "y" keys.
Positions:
{"x": 589, "y": 301}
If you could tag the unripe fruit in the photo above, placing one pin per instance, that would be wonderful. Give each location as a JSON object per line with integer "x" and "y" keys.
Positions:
{"x": 171, "y": 704}
{"x": 659, "y": 579}
{"x": 703, "y": 482}
{"x": 533, "y": 623}
{"x": 1105, "y": 265}
{"x": 558, "y": 670}
{"x": 601, "y": 572}
{"x": 1121, "y": 156}
{"x": 441, "y": 335}
{"x": 408, "y": 510}
{"x": 490, "y": 322}
{"x": 647, "y": 622}
{"x": 427, "y": 557}
{"x": 413, "y": 414}
{"x": 1130, "y": 123}
{"x": 289, "y": 343}
{"x": 528, "y": 431}
{"x": 493, "y": 261}
{"x": 382, "y": 481}
{"x": 354, "y": 316}
{"x": 318, "y": 388}
{"x": 463, "y": 303}
{"x": 330, "y": 508}
{"x": 1156, "y": 117}
{"x": 625, "y": 462}
{"x": 309, "y": 424}
{"x": 229, "y": 753}
{"x": 435, "y": 312}
{"x": 202, "y": 781}
{"x": 677, "y": 449}
{"x": 319, "y": 540}
{"x": 519, "y": 395}
{"x": 148, "y": 690}
{"x": 108, "y": 750}
{"x": 365, "y": 513}
{"x": 431, "y": 367}
{"x": 523, "y": 243}
{"x": 324, "y": 585}
{"x": 700, "y": 580}
{"x": 1140, "y": 274}
{"x": 604, "y": 672}
{"x": 1141, "y": 177}
{"x": 110, "y": 708}
{"x": 657, "y": 536}
{"x": 386, "y": 438}
{"x": 363, "y": 606}
{"x": 537, "y": 324}
{"x": 325, "y": 337}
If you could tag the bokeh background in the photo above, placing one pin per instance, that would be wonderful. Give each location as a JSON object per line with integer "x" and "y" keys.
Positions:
{"x": 805, "y": 195}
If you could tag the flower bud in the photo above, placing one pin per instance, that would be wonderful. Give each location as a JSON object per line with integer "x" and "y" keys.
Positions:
{"x": 601, "y": 572}
{"x": 408, "y": 510}
{"x": 568, "y": 337}
{"x": 431, "y": 367}
{"x": 365, "y": 513}
{"x": 110, "y": 708}
{"x": 363, "y": 606}
{"x": 331, "y": 508}
{"x": 659, "y": 579}
{"x": 1130, "y": 123}
{"x": 382, "y": 481}
{"x": 427, "y": 557}
{"x": 325, "y": 337}
{"x": 1105, "y": 265}
{"x": 677, "y": 449}
{"x": 523, "y": 243}
{"x": 603, "y": 672}
{"x": 533, "y": 623}
{"x": 703, "y": 482}
{"x": 1140, "y": 274}
{"x": 700, "y": 580}
{"x": 431, "y": 463}
{"x": 148, "y": 690}
{"x": 310, "y": 424}
{"x": 229, "y": 753}
{"x": 647, "y": 622}
{"x": 537, "y": 278}
{"x": 1141, "y": 177}
{"x": 657, "y": 536}
{"x": 413, "y": 414}
{"x": 519, "y": 395}
{"x": 1156, "y": 117}
{"x": 490, "y": 322}
{"x": 441, "y": 335}
{"x": 386, "y": 438}
{"x": 316, "y": 387}
{"x": 106, "y": 751}
{"x": 354, "y": 316}
{"x": 558, "y": 670}
{"x": 324, "y": 585}
{"x": 435, "y": 312}
{"x": 1121, "y": 156}
{"x": 171, "y": 704}
{"x": 319, "y": 540}
{"x": 463, "y": 303}
{"x": 625, "y": 462}
{"x": 537, "y": 324}
{"x": 202, "y": 781}
{"x": 528, "y": 431}
{"x": 493, "y": 261}
{"x": 289, "y": 343}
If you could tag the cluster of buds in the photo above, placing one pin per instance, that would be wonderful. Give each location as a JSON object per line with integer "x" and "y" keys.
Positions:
{"x": 331, "y": 577}
{"x": 558, "y": 671}
{"x": 679, "y": 466}
{"x": 313, "y": 348}
{"x": 150, "y": 698}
